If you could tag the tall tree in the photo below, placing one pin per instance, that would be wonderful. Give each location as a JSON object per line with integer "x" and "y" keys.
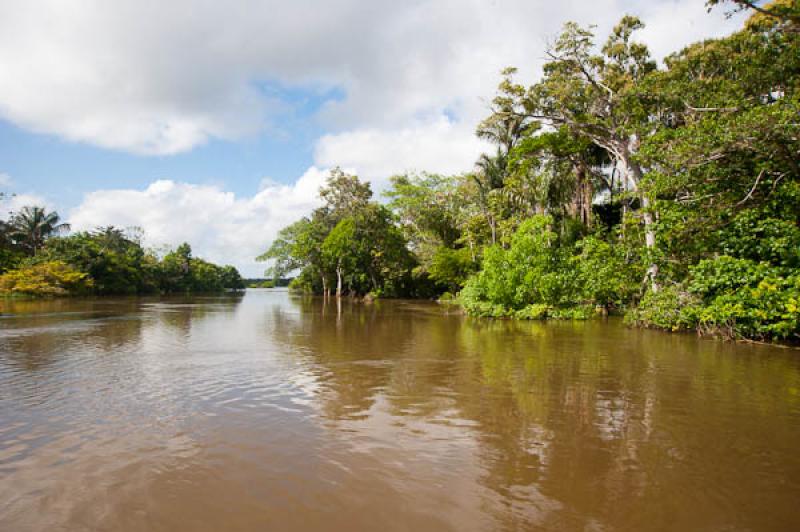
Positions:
{"x": 591, "y": 95}
{"x": 349, "y": 240}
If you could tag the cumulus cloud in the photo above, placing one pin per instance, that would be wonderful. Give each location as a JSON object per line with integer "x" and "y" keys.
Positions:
{"x": 220, "y": 226}
{"x": 156, "y": 77}
{"x": 439, "y": 146}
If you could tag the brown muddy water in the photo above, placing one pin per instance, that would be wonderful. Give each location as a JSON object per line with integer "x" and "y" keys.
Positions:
{"x": 276, "y": 412}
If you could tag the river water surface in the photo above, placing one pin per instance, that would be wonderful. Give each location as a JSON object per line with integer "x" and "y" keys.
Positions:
{"x": 275, "y": 412}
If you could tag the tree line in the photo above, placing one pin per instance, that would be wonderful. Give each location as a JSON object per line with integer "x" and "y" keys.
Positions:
{"x": 38, "y": 257}
{"x": 670, "y": 193}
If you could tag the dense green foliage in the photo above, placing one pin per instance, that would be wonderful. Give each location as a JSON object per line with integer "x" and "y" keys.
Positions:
{"x": 179, "y": 271}
{"x": 532, "y": 270}
{"x": 669, "y": 192}
{"x": 734, "y": 298}
{"x": 350, "y": 244}
{"x": 541, "y": 275}
{"x": 37, "y": 261}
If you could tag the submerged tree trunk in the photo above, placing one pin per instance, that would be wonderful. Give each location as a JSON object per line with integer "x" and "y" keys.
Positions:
{"x": 339, "y": 280}
{"x": 374, "y": 282}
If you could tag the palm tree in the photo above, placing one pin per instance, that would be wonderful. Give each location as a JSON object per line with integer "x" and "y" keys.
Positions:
{"x": 490, "y": 179}
{"x": 31, "y": 226}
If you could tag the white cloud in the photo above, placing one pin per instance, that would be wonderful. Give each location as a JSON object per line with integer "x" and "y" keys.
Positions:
{"x": 11, "y": 201}
{"x": 14, "y": 202}
{"x": 439, "y": 146}
{"x": 158, "y": 77}
{"x": 220, "y": 227}
{"x": 673, "y": 25}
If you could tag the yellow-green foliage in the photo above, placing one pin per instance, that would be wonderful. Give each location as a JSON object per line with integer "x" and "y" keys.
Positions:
{"x": 47, "y": 278}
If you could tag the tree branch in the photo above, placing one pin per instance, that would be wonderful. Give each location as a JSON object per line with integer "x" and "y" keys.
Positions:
{"x": 711, "y": 109}
{"x": 750, "y": 194}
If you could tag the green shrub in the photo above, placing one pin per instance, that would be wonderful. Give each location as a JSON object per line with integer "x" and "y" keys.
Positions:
{"x": 723, "y": 275}
{"x": 728, "y": 297}
{"x": 538, "y": 277}
{"x": 767, "y": 311}
{"x": 746, "y": 299}
{"x": 533, "y": 270}
{"x": 759, "y": 235}
{"x": 579, "y": 312}
{"x": 605, "y": 276}
{"x": 536, "y": 311}
{"x": 451, "y": 267}
{"x": 671, "y": 308}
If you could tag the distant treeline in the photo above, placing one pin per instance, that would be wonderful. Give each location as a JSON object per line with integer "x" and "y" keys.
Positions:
{"x": 38, "y": 258}
{"x": 268, "y": 283}
{"x": 669, "y": 193}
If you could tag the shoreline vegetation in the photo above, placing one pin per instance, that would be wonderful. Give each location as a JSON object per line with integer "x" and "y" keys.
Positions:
{"x": 667, "y": 193}
{"x": 37, "y": 259}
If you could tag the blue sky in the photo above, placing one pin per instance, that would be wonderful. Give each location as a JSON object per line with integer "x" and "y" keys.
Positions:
{"x": 217, "y": 122}
{"x": 63, "y": 171}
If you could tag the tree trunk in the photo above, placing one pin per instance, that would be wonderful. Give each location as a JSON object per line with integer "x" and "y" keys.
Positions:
{"x": 634, "y": 171}
{"x": 581, "y": 206}
{"x": 339, "y": 280}
{"x": 649, "y": 241}
{"x": 587, "y": 196}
